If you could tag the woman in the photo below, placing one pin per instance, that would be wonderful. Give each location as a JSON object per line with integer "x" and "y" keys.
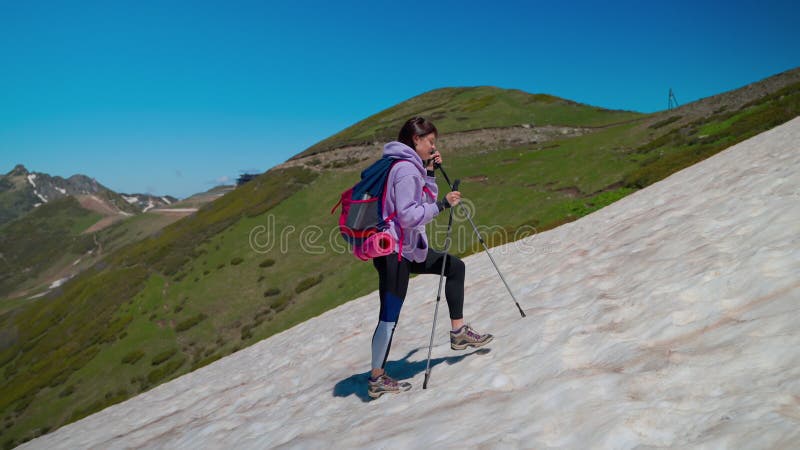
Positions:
{"x": 411, "y": 194}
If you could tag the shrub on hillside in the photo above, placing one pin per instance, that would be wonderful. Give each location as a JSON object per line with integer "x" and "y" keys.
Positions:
{"x": 308, "y": 283}
{"x": 247, "y": 332}
{"x": 665, "y": 122}
{"x": 179, "y": 277}
{"x": 115, "y": 327}
{"x": 164, "y": 371}
{"x": 109, "y": 399}
{"x": 338, "y": 164}
{"x": 262, "y": 314}
{"x": 272, "y": 292}
{"x": 60, "y": 379}
{"x": 82, "y": 244}
{"x": 163, "y": 356}
{"x": 69, "y": 390}
{"x": 190, "y": 322}
{"x": 280, "y": 303}
{"x": 206, "y": 361}
{"x": 132, "y": 357}
{"x": 236, "y": 261}
{"x": 267, "y": 263}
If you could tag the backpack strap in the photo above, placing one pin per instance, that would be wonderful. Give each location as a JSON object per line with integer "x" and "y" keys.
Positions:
{"x": 341, "y": 199}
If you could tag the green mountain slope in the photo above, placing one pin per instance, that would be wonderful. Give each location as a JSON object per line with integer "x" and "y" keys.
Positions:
{"x": 15, "y": 200}
{"x": 267, "y": 256}
{"x": 463, "y": 109}
{"x": 70, "y": 233}
{"x": 32, "y": 243}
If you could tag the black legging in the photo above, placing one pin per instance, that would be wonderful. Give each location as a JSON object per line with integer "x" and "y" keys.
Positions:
{"x": 393, "y": 278}
{"x": 393, "y": 283}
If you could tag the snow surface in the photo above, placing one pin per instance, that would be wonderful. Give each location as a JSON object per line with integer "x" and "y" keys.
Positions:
{"x": 666, "y": 319}
{"x": 63, "y": 191}
{"x": 166, "y": 200}
{"x": 131, "y": 200}
{"x": 54, "y": 284}
{"x": 59, "y": 282}
{"x": 31, "y": 177}
{"x": 150, "y": 205}
{"x": 175, "y": 210}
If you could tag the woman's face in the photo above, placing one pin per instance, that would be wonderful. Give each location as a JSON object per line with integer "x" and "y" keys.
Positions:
{"x": 426, "y": 145}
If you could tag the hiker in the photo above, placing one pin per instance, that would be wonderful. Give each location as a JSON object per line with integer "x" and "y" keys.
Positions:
{"x": 411, "y": 195}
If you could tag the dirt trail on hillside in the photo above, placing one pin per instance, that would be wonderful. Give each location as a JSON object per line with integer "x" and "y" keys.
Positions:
{"x": 490, "y": 139}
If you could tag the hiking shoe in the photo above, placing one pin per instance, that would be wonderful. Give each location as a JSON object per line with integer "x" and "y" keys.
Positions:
{"x": 385, "y": 384}
{"x": 467, "y": 337}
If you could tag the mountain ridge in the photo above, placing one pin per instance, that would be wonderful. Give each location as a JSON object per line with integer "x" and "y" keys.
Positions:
{"x": 469, "y": 108}
{"x": 343, "y": 149}
{"x": 49, "y": 226}
{"x": 22, "y": 190}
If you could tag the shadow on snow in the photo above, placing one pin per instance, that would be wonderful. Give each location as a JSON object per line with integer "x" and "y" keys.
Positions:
{"x": 399, "y": 370}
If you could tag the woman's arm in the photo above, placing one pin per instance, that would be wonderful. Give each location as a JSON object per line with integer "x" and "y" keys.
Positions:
{"x": 410, "y": 211}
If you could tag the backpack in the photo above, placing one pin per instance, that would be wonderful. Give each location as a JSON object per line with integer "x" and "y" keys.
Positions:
{"x": 361, "y": 221}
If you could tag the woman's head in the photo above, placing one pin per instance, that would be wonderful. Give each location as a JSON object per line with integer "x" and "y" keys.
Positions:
{"x": 419, "y": 134}
{"x": 416, "y": 127}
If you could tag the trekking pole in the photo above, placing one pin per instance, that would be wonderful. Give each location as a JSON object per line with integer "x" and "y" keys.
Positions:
{"x": 480, "y": 238}
{"x": 439, "y": 292}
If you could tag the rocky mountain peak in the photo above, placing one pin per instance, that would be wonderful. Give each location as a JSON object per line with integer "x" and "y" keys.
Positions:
{"x": 19, "y": 170}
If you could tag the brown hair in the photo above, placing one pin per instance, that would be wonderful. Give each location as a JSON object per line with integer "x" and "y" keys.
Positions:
{"x": 416, "y": 126}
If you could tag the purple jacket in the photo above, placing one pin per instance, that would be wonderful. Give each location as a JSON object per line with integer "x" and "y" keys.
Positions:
{"x": 406, "y": 195}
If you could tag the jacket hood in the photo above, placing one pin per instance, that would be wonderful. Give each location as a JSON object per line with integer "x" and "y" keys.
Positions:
{"x": 398, "y": 150}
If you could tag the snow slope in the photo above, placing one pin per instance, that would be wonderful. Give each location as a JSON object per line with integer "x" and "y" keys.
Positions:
{"x": 669, "y": 318}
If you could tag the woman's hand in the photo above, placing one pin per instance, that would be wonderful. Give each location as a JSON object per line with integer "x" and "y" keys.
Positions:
{"x": 436, "y": 158}
{"x": 453, "y": 198}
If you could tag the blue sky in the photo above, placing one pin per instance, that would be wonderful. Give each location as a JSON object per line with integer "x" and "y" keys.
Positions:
{"x": 172, "y": 97}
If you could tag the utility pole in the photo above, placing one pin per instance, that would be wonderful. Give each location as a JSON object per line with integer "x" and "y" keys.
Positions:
{"x": 672, "y": 102}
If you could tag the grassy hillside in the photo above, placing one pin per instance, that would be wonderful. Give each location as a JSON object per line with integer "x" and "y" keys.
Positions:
{"x": 32, "y": 243}
{"x": 706, "y": 136}
{"x": 463, "y": 109}
{"x": 60, "y": 239}
{"x": 13, "y": 202}
{"x": 266, "y": 256}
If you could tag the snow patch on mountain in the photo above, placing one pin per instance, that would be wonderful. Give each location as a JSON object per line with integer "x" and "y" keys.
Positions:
{"x": 31, "y": 177}
{"x": 59, "y": 282}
